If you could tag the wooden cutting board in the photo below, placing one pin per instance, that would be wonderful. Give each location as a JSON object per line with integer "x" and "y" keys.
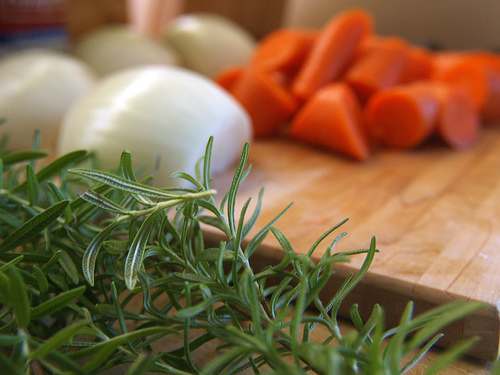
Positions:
{"x": 434, "y": 212}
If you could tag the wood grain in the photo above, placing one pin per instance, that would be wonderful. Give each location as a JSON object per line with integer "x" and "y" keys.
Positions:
{"x": 435, "y": 214}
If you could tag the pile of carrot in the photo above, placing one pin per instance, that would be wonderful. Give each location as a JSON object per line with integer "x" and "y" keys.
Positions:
{"x": 347, "y": 89}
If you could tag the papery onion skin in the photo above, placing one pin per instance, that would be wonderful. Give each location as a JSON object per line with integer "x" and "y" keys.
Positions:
{"x": 153, "y": 111}
{"x": 37, "y": 86}
{"x": 113, "y": 48}
{"x": 208, "y": 43}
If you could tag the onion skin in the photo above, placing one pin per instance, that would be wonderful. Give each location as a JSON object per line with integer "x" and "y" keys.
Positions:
{"x": 37, "y": 87}
{"x": 153, "y": 111}
{"x": 114, "y": 48}
{"x": 208, "y": 43}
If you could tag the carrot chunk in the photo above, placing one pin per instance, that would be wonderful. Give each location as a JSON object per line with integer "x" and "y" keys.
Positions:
{"x": 419, "y": 65}
{"x": 332, "y": 119}
{"x": 332, "y": 51}
{"x": 482, "y": 82}
{"x": 268, "y": 103}
{"x": 446, "y": 60}
{"x": 381, "y": 67}
{"x": 228, "y": 77}
{"x": 471, "y": 78}
{"x": 284, "y": 50}
{"x": 458, "y": 123}
{"x": 373, "y": 42}
{"x": 402, "y": 116}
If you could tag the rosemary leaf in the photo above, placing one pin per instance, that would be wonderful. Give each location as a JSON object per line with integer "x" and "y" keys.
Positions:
{"x": 55, "y": 304}
{"x": 33, "y": 227}
{"x": 54, "y": 168}
{"x": 18, "y": 297}
{"x": 20, "y": 156}
{"x": 63, "y": 336}
{"x": 137, "y": 249}
{"x": 122, "y": 184}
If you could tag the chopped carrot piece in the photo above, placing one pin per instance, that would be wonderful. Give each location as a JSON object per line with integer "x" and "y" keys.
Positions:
{"x": 332, "y": 119}
{"x": 458, "y": 122}
{"x": 478, "y": 72}
{"x": 488, "y": 59}
{"x": 332, "y": 51}
{"x": 444, "y": 60}
{"x": 402, "y": 116}
{"x": 379, "y": 68}
{"x": 482, "y": 82}
{"x": 419, "y": 65}
{"x": 284, "y": 50}
{"x": 228, "y": 77}
{"x": 373, "y": 42}
{"x": 268, "y": 104}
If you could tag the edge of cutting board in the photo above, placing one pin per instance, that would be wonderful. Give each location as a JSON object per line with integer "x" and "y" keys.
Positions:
{"x": 393, "y": 295}
{"x": 460, "y": 190}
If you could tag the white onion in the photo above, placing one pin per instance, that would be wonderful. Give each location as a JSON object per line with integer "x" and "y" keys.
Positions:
{"x": 37, "y": 86}
{"x": 157, "y": 111}
{"x": 113, "y": 48}
{"x": 208, "y": 43}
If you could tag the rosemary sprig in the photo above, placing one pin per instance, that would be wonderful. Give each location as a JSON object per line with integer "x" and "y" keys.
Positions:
{"x": 79, "y": 245}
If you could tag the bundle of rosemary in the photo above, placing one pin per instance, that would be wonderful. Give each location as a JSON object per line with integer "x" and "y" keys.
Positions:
{"x": 99, "y": 270}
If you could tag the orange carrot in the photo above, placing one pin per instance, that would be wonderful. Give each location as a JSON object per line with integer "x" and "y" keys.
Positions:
{"x": 379, "y": 68}
{"x": 268, "y": 104}
{"x": 332, "y": 51}
{"x": 470, "y": 77}
{"x": 332, "y": 119}
{"x": 402, "y": 116}
{"x": 419, "y": 65}
{"x": 446, "y": 60}
{"x": 458, "y": 122}
{"x": 486, "y": 58}
{"x": 482, "y": 82}
{"x": 372, "y": 42}
{"x": 228, "y": 77}
{"x": 284, "y": 50}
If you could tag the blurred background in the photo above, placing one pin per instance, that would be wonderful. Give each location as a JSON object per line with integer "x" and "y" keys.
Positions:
{"x": 455, "y": 24}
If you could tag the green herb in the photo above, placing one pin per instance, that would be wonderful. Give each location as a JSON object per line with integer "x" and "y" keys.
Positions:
{"x": 100, "y": 270}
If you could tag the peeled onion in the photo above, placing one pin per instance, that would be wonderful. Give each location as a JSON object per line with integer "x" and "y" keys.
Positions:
{"x": 208, "y": 43}
{"x": 153, "y": 111}
{"x": 37, "y": 87}
{"x": 113, "y": 48}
